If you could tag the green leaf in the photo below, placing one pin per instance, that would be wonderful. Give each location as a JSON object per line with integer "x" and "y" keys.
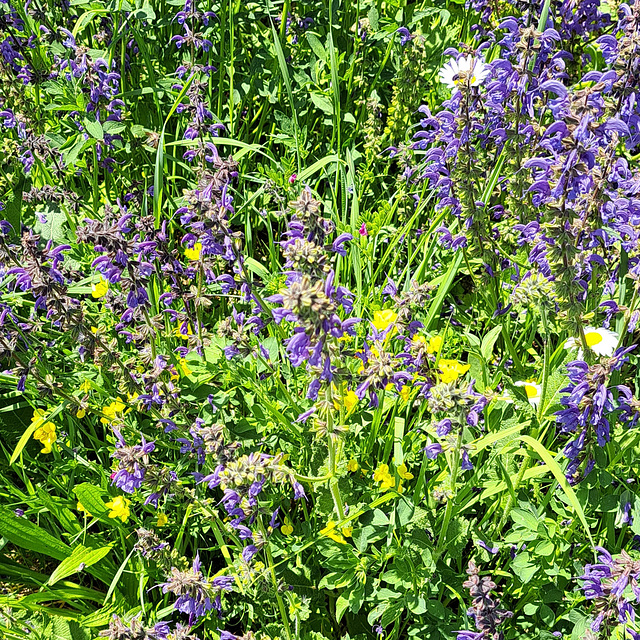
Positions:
{"x": 488, "y": 343}
{"x": 94, "y": 129}
{"x": 316, "y": 46}
{"x": 323, "y": 103}
{"x": 80, "y": 557}
{"x": 562, "y": 481}
{"x": 90, "y": 497}
{"x": 54, "y": 222}
{"x": 341, "y": 606}
{"x": 27, "y": 535}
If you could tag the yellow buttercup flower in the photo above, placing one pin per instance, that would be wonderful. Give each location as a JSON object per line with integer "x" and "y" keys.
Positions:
{"x": 112, "y": 411}
{"x": 162, "y": 519}
{"x": 451, "y": 370}
{"x": 119, "y": 508}
{"x": 330, "y": 532}
{"x": 353, "y": 465}
{"x": 81, "y": 413}
{"x": 45, "y": 432}
{"x": 384, "y": 318}
{"x": 434, "y": 344}
{"x": 287, "y": 527}
{"x": 405, "y": 392}
{"x": 99, "y": 289}
{"x": 194, "y": 253}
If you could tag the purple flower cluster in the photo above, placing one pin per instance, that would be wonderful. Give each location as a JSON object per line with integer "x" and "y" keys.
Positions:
{"x": 613, "y": 585}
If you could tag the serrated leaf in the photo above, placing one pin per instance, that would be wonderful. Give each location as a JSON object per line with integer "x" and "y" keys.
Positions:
{"x": 51, "y": 225}
{"x": 80, "y": 557}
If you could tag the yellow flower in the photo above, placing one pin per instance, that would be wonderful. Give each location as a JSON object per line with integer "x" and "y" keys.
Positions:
{"x": 119, "y": 508}
{"x": 81, "y": 413}
{"x": 287, "y": 527}
{"x": 434, "y": 345}
{"x": 185, "y": 367}
{"x": 193, "y": 254}
{"x": 380, "y": 472}
{"x": 384, "y": 318}
{"x": 382, "y": 475}
{"x": 353, "y": 465}
{"x": 451, "y": 370}
{"x": 81, "y": 509}
{"x": 347, "y": 398}
{"x": 162, "y": 519}
{"x": 111, "y": 411}
{"x": 403, "y": 473}
{"x": 177, "y": 332}
{"x": 347, "y": 532}
{"x": 99, "y": 289}
{"x": 85, "y": 387}
{"x": 45, "y": 432}
{"x": 330, "y": 532}
{"x": 405, "y": 392}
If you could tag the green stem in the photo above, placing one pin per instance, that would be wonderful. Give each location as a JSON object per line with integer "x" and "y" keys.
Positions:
{"x": 274, "y": 578}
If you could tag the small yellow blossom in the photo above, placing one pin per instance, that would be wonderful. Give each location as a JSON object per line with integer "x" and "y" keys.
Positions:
{"x": 434, "y": 345}
{"x": 382, "y": 475}
{"x": 111, "y": 411}
{"x": 347, "y": 398}
{"x": 403, "y": 473}
{"x": 405, "y": 392}
{"x": 384, "y": 318}
{"x": 81, "y": 509}
{"x": 162, "y": 519}
{"x": 185, "y": 336}
{"x": 85, "y": 387}
{"x": 330, "y": 532}
{"x": 119, "y": 508}
{"x": 184, "y": 367}
{"x": 347, "y": 532}
{"x": 81, "y": 413}
{"x": 194, "y": 254}
{"x": 287, "y": 527}
{"x": 99, "y": 289}
{"x": 451, "y": 370}
{"x": 45, "y": 432}
{"x": 353, "y": 465}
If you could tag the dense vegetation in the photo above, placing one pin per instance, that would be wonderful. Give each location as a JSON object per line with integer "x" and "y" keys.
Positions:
{"x": 318, "y": 319}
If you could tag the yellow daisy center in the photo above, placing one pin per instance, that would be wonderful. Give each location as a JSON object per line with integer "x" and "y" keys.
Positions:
{"x": 592, "y": 338}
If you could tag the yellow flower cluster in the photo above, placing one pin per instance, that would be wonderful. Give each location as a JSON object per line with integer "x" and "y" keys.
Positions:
{"x": 451, "y": 370}
{"x": 45, "y": 432}
{"x": 386, "y": 480}
{"x": 119, "y": 508}
{"x": 330, "y": 531}
{"x": 112, "y": 411}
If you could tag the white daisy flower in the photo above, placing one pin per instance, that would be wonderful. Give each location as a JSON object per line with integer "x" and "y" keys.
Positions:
{"x": 602, "y": 342}
{"x": 465, "y": 69}
{"x": 533, "y": 391}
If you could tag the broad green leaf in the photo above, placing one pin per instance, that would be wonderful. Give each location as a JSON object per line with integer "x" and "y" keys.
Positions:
{"x": 562, "y": 481}
{"x": 488, "y": 343}
{"x": 90, "y": 497}
{"x": 27, "y": 535}
{"x": 80, "y": 557}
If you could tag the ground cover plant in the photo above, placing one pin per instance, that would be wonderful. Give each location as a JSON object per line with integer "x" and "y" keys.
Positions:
{"x": 318, "y": 320}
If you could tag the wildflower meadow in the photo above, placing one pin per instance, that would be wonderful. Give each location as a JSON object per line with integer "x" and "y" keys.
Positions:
{"x": 319, "y": 319}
